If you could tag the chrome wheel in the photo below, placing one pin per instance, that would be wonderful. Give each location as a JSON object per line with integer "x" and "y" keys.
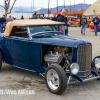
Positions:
{"x": 53, "y": 79}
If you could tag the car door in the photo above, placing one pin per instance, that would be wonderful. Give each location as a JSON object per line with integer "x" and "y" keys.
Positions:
{"x": 19, "y": 47}
{"x": 35, "y": 52}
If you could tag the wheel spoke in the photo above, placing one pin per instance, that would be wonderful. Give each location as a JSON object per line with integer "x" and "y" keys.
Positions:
{"x": 56, "y": 83}
{"x": 53, "y": 79}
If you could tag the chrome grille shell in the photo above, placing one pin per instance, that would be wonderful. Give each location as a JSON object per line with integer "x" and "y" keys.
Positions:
{"x": 84, "y": 59}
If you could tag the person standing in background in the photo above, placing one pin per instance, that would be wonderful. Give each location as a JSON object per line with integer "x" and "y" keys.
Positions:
{"x": 2, "y": 20}
{"x": 96, "y": 23}
{"x": 54, "y": 18}
{"x": 83, "y": 23}
{"x": 62, "y": 18}
{"x": 34, "y": 16}
{"x": 9, "y": 19}
{"x": 41, "y": 17}
{"x": 22, "y": 18}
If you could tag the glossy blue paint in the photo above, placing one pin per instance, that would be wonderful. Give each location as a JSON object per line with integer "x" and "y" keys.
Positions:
{"x": 94, "y": 73}
{"x": 27, "y": 54}
{"x": 78, "y": 78}
{"x": 19, "y": 50}
{"x": 1, "y": 35}
{"x": 81, "y": 79}
{"x": 62, "y": 40}
{"x": 6, "y": 49}
{"x": 68, "y": 73}
{"x": 65, "y": 41}
{"x": 35, "y": 54}
{"x": 22, "y": 53}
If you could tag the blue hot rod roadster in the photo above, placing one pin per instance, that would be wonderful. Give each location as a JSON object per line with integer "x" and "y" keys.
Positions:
{"x": 39, "y": 46}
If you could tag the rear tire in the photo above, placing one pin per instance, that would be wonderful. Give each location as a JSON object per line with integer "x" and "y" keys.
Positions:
{"x": 55, "y": 78}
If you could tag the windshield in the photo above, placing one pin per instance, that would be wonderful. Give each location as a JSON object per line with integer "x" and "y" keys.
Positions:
{"x": 47, "y": 35}
{"x": 37, "y": 29}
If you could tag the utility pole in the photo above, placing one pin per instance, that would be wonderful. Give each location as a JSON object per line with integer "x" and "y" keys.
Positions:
{"x": 33, "y": 5}
{"x": 74, "y": 6}
{"x": 70, "y": 6}
{"x": 64, "y": 3}
{"x": 48, "y": 7}
{"x": 57, "y": 7}
{"x": 84, "y": 4}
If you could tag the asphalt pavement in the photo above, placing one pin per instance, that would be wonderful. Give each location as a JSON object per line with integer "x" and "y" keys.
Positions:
{"x": 15, "y": 79}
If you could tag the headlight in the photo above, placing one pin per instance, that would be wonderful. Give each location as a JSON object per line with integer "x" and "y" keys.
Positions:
{"x": 97, "y": 63}
{"x": 74, "y": 68}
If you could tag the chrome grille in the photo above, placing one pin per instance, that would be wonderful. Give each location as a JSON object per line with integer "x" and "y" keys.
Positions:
{"x": 84, "y": 59}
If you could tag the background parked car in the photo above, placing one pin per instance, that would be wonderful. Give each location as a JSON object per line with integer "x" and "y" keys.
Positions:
{"x": 75, "y": 22}
{"x": 91, "y": 26}
{"x": 39, "y": 46}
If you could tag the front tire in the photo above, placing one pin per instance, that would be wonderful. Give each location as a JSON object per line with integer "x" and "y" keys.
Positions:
{"x": 55, "y": 78}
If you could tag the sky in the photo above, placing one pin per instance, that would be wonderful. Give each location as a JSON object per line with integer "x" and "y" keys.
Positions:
{"x": 44, "y": 3}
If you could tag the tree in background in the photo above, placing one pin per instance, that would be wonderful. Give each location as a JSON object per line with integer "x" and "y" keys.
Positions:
{"x": 7, "y": 6}
{"x": 35, "y": 12}
{"x": 82, "y": 10}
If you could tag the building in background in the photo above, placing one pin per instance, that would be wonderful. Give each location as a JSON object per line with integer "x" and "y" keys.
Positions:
{"x": 72, "y": 12}
{"x": 93, "y": 9}
{"x": 48, "y": 12}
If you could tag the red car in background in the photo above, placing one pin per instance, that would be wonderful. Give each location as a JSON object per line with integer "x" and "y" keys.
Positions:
{"x": 92, "y": 25}
{"x": 74, "y": 21}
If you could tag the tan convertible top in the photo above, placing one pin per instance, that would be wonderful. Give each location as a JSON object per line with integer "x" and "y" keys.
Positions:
{"x": 31, "y": 22}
